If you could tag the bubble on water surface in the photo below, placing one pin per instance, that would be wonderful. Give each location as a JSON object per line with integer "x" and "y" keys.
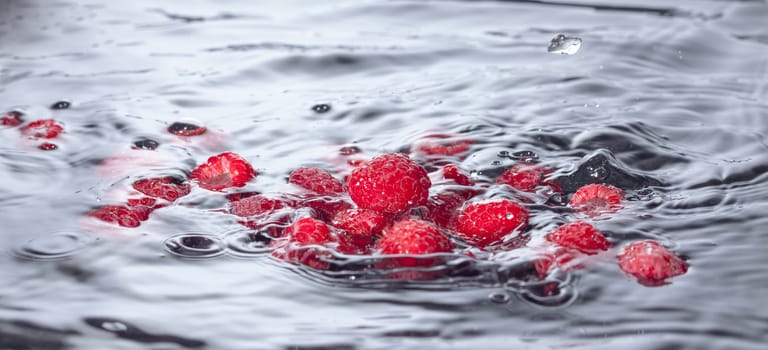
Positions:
{"x": 57, "y": 246}
{"x": 247, "y": 244}
{"x": 321, "y": 108}
{"x": 147, "y": 144}
{"x": 61, "y": 105}
{"x": 186, "y": 129}
{"x": 499, "y": 297}
{"x": 194, "y": 246}
{"x": 565, "y": 45}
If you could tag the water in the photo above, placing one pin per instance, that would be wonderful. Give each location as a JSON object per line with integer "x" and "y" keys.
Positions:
{"x": 665, "y": 101}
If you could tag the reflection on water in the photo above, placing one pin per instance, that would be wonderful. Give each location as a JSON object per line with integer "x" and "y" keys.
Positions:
{"x": 664, "y": 100}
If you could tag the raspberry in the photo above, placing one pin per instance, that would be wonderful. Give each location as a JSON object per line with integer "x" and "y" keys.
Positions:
{"x": 452, "y": 172}
{"x": 12, "y": 118}
{"x": 169, "y": 188}
{"x": 185, "y": 129}
{"x": 650, "y": 262}
{"x": 580, "y": 236}
{"x": 442, "y": 206}
{"x": 524, "y": 177}
{"x": 299, "y": 245}
{"x": 413, "y": 237}
{"x": 559, "y": 258}
{"x": 488, "y": 222}
{"x": 361, "y": 225}
{"x": 595, "y": 198}
{"x": 142, "y": 207}
{"x": 441, "y": 145}
{"x": 42, "y": 129}
{"x": 260, "y": 212}
{"x": 223, "y": 171}
{"x": 121, "y": 215}
{"x": 389, "y": 183}
{"x": 316, "y": 180}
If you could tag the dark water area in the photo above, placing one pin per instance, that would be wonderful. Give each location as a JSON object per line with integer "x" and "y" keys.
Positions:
{"x": 667, "y": 100}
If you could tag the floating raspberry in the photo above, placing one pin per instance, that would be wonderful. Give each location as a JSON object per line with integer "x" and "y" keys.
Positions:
{"x": 412, "y": 237}
{"x": 596, "y": 198}
{"x": 121, "y": 215}
{"x": 441, "y": 145}
{"x": 580, "y": 236}
{"x": 361, "y": 225}
{"x": 524, "y": 177}
{"x": 169, "y": 188}
{"x": 223, "y": 171}
{"x": 452, "y": 172}
{"x": 389, "y": 183}
{"x": 186, "y": 129}
{"x": 12, "y": 118}
{"x": 316, "y": 180}
{"x": 42, "y": 129}
{"x": 301, "y": 240}
{"x": 488, "y": 222}
{"x": 650, "y": 262}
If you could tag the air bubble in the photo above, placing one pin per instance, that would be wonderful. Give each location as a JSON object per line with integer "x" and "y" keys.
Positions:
{"x": 321, "y": 108}
{"x": 194, "y": 246}
{"x": 147, "y": 144}
{"x": 61, "y": 105}
{"x": 57, "y": 246}
{"x": 564, "y": 45}
{"x": 186, "y": 129}
{"x": 114, "y": 326}
{"x": 499, "y": 297}
{"x": 599, "y": 173}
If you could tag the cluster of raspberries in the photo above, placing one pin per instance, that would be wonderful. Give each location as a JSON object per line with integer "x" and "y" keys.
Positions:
{"x": 40, "y": 131}
{"x": 388, "y": 207}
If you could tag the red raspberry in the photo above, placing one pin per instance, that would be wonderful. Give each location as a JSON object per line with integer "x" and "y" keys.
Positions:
{"x": 361, "y": 225}
{"x": 452, "y": 172}
{"x": 650, "y": 262}
{"x": 580, "y": 236}
{"x": 299, "y": 244}
{"x": 223, "y": 171}
{"x": 488, "y": 222}
{"x": 559, "y": 258}
{"x": 260, "y": 212}
{"x": 524, "y": 177}
{"x": 389, "y": 183}
{"x": 316, "y": 180}
{"x": 169, "y": 188}
{"x": 11, "y": 118}
{"x": 142, "y": 207}
{"x": 123, "y": 216}
{"x": 595, "y": 198}
{"x": 186, "y": 129}
{"x": 441, "y": 145}
{"x": 42, "y": 129}
{"x": 413, "y": 237}
{"x": 442, "y": 206}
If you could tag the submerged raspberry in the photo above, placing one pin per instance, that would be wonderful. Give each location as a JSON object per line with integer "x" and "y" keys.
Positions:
{"x": 316, "y": 180}
{"x": 452, "y": 172}
{"x": 580, "y": 236}
{"x": 441, "y": 145}
{"x": 121, "y": 215}
{"x": 306, "y": 242}
{"x": 524, "y": 177}
{"x": 389, "y": 183}
{"x": 169, "y": 188}
{"x": 42, "y": 129}
{"x": 361, "y": 225}
{"x": 12, "y": 118}
{"x": 488, "y": 222}
{"x": 650, "y": 262}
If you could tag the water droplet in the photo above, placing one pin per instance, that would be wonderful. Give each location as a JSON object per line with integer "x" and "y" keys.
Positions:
{"x": 321, "y": 108}
{"x": 499, "y": 297}
{"x": 503, "y": 154}
{"x": 349, "y": 150}
{"x": 475, "y": 174}
{"x": 47, "y": 146}
{"x": 496, "y": 163}
{"x": 57, "y": 246}
{"x": 147, "y": 144}
{"x": 186, "y": 129}
{"x": 194, "y": 246}
{"x": 510, "y": 216}
{"x": 61, "y": 105}
{"x": 565, "y": 45}
{"x": 599, "y": 172}
{"x": 525, "y": 156}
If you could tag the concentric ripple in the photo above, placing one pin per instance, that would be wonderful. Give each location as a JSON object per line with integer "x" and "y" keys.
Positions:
{"x": 56, "y": 246}
{"x": 194, "y": 246}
